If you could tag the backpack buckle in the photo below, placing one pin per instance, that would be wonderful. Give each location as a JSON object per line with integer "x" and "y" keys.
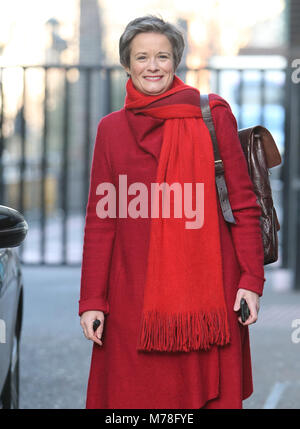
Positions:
{"x": 219, "y": 167}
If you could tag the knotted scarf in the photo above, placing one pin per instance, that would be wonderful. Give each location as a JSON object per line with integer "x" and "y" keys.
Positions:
{"x": 184, "y": 307}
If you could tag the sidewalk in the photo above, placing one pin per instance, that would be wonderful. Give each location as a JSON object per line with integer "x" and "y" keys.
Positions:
{"x": 55, "y": 356}
{"x": 275, "y": 352}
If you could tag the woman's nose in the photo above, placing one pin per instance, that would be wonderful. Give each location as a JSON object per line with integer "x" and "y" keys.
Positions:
{"x": 152, "y": 64}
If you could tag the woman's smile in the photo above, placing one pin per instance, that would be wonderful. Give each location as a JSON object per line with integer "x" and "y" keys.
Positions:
{"x": 153, "y": 78}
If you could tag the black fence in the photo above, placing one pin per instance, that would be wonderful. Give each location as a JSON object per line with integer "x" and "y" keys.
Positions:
{"x": 48, "y": 121}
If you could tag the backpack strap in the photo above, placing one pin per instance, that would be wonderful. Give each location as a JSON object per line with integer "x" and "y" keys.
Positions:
{"x": 219, "y": 167}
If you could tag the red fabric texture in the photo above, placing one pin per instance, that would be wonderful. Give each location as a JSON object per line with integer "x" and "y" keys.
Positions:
{"x": 184, "y": 305}
{"x": 114, "y": 264}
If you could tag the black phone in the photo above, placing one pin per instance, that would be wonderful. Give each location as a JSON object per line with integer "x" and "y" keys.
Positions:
{"x": 245, "y": 312}
{"x": 96, "y": 324}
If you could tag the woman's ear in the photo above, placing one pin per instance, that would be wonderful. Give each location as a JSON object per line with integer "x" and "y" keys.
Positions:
{"x": 127, "y": 71}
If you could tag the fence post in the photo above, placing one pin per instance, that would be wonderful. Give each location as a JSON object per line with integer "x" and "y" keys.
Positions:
{"x": 1, "y": 135}
{"x": 286, "y": 172}
{"x": 291, "y": 191}
{"x": 65, "y": 170}
{"x": 296, "y": 185}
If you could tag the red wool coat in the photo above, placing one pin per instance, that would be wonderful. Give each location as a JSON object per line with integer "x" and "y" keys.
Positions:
{"x": 114, "y": 268}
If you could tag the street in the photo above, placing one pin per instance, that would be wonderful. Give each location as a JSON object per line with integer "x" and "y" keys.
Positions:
{"x": 55, "y": 356}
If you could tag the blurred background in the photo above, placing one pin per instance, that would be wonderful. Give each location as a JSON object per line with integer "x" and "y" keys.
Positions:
{"x": 59, "y": 74}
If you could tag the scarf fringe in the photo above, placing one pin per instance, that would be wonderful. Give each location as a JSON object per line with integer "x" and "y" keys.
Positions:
{"x": 184, "y": 331}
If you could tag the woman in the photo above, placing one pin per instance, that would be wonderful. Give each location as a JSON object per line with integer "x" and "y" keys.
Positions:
{"x": 165, "y": 290}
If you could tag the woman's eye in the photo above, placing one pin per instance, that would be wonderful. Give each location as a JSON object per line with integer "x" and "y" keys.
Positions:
{"x": 160, "y": 56}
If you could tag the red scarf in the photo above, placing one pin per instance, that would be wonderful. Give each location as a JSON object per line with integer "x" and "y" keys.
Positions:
{"x": 184, "y": 307}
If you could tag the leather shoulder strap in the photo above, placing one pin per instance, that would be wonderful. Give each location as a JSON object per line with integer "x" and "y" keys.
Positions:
{"x": 219, "y": 167}
{"x": 206, "y": 113}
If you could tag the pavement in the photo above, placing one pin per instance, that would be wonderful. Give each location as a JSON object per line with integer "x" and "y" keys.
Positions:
{"x": 55, "y": 356}
{"x": 275, "y": 347}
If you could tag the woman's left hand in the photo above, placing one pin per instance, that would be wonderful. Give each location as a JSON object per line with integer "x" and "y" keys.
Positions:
{"x": 252, "y": 300}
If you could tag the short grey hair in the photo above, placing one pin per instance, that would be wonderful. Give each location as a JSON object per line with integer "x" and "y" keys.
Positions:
{"x": 153, "y": 24}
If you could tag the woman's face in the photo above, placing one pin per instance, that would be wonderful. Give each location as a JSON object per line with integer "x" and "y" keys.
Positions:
{"x": 151, "y": 63}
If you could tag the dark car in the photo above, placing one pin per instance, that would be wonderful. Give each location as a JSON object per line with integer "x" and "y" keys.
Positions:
{"x": 13, "y": 230}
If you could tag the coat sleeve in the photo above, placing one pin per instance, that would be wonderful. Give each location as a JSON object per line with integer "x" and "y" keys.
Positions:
{"x": 246, "y": 233}
{"x": 98, "y": 235}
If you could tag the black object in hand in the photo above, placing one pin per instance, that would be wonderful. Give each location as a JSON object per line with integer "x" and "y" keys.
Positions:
{"x": 245, "y": 312}
{"x": 96, "y": 324}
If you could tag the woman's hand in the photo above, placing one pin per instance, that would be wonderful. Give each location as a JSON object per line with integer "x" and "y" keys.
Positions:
{"x": 252, "y": 300}
{"x": 86, "y": 321}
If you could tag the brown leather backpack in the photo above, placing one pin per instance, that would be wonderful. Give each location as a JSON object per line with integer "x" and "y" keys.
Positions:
{"x": 261, "y": 154}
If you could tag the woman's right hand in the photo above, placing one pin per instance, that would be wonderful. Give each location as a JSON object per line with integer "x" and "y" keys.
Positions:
{"x": 86, "y": 321}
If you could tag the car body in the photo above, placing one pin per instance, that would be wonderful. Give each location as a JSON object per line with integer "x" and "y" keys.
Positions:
{"x": 13, "y": 229}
